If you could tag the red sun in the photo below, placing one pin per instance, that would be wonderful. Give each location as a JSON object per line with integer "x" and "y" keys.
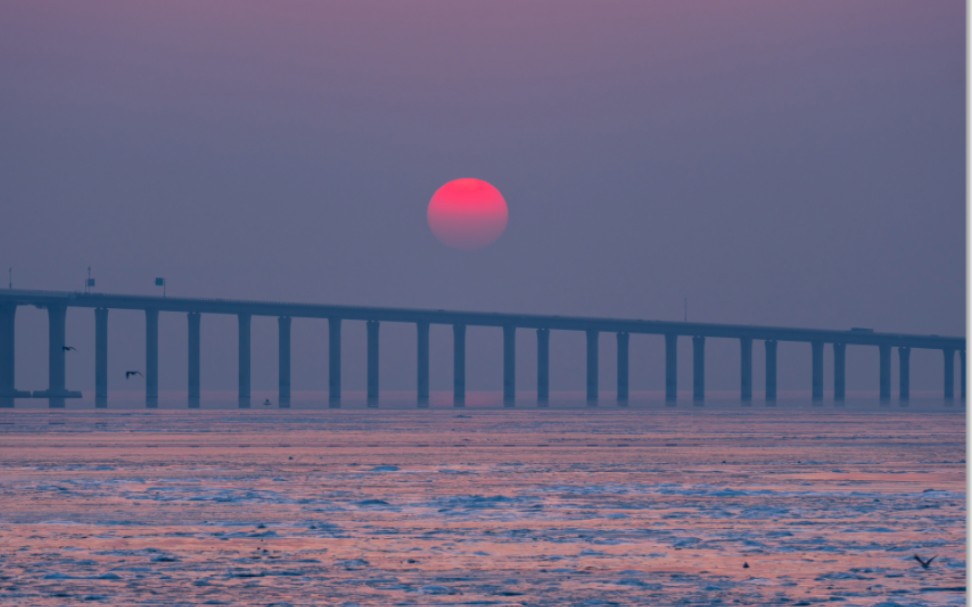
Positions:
{"x": 467, "y": 214}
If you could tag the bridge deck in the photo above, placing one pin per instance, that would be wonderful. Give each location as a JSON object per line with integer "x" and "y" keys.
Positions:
{"x": 492, "y": 319}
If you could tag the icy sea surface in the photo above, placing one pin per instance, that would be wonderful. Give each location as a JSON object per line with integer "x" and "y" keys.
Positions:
{"x": 482, "y": 507}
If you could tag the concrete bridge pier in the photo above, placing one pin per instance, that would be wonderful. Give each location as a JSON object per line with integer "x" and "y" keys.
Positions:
{"x": 101, "y": 358}
{"x": 8, "y": 316}
{"x": 949, "y": 360}
{"x": 884, "y": 354}
{"x": 373, "y": 343}
{"x": 904, "y": 374}
{"x": 698, "y": 370}
{"x": 56, "y": 322}
{"x": 509, "y": 366}
{"x": 671, "y": 369}
{"x": 817, "y": 373}
{"x": 840, "y": 372}
{"x": 244, "y": 361}
{"x": 193, "y": 320}
{"x": 622, "y": 364}
{"x": 962, "y": 374}
{"x": 151, "y": 358}
{"x": 770, "y": 372}
{"x": 334, "y": 362}
{"x": 592, "y": 367}
{"x": 458, "y": 365}
{"x": 422, "y": 379}
{"x": 283, "y": 362}
{"x": 746, "y": 370}
{"x": 543, "y": 367}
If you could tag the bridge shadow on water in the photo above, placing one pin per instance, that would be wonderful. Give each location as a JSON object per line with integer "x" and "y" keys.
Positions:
{"x": 642, "y": 400}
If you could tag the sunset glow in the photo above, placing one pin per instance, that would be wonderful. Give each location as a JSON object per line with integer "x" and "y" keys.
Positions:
{"x": 468, "y": 214}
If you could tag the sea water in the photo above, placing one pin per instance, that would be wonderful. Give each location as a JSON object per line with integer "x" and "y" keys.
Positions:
{"x": 793, "y": 505}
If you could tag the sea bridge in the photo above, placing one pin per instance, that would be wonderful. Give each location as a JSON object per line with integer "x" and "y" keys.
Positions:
{"x": 57, "y": 303}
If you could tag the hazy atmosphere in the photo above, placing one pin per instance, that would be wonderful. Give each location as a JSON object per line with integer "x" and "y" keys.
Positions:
{"x": 797, "y": 163}
{"x": 613, "y": 302}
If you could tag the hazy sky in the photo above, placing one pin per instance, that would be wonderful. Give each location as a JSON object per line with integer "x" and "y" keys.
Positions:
{"x": 789, "y": 163}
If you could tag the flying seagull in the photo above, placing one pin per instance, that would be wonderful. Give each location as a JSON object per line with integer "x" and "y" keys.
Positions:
{"x": 925, "y": 564}
{"x": 128, "y": 374}
{"x": 68, "y": 348}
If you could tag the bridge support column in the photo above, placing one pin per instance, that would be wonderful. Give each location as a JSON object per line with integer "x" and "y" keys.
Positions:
{"x": 244, "y": 361}
{"x": 671, "y": 369}
{"x": 334, "y": 362}
{"x": 770, "y": 372}
{"x": 949, "y": 361}
{"x": 816, "y": 372}
{"x": 422, "y": 381}
{"x": 840, "y": 372}
{"x": 698, "y": 370}
{"x": 193, "y": 320}
{"x": 622, "y": 363}
{"x": 373, "y": 362}
{"x": 101, "y": 358}
{"x": 592, "y": 367}
{"x": 746, "y": 370}
{"x": 509, "y": 366}
{"x": 962, "y": 374}
{"x": 8, "y": 315}
{"x": 543, "y": 367}
{"x": 151, "y": 358}
{"x": 283, "y": 362}
{"x": 56, "y": 322}
{"x": 904, "y": 374}
{"x": 884, "y": 353}
{"x": 458, "y": 365}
